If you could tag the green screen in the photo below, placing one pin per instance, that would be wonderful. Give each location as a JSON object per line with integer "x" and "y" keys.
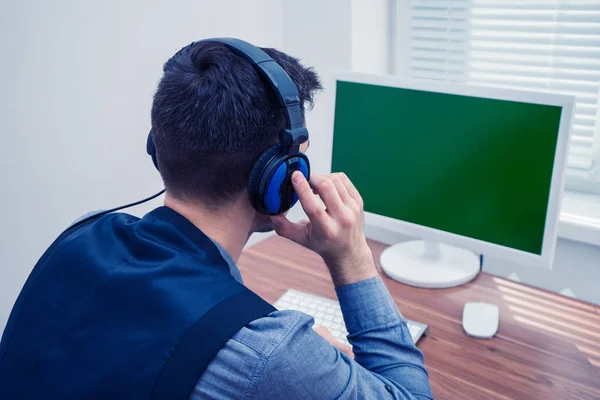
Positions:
{"x": 472, "y": 166}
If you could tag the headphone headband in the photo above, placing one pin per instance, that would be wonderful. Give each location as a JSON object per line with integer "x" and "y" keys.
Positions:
{"x": 281, "y": 84}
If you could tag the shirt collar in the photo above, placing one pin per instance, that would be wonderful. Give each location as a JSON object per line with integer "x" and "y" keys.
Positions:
{"x": 233, "y": 269}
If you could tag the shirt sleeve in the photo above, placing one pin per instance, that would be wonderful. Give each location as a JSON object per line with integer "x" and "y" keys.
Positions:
{"x": 387, "y": 363}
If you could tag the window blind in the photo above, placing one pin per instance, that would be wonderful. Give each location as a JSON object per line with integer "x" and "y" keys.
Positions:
{"x": 548, "y": 45}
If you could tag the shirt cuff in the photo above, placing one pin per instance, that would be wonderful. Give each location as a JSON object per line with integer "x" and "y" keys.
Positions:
{"x": 367, "y": 305}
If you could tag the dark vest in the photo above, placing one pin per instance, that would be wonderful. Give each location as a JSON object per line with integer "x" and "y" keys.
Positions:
{"x": 123, "y": 308}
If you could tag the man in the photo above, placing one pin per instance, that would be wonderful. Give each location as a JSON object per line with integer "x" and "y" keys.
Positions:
{"x": 99, "y": 315}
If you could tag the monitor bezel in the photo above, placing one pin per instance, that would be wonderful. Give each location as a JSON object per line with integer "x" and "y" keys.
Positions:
{"x": 566, "y": 102}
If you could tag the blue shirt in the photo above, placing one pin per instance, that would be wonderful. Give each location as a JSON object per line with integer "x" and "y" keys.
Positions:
{"x": 280, "y": 356}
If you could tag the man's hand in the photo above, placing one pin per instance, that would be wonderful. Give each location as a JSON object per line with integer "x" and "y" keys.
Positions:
{"x": 335, "y": 231}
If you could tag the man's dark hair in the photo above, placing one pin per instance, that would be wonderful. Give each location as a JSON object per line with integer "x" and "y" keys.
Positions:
{"x": 212, "y": 116}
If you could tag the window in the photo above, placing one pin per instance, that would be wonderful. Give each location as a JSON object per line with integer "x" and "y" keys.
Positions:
{"x": 549, "y": 45}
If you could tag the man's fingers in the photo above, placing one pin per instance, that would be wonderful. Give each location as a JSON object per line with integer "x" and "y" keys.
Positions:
{"x": 310, "y": 203}
{"x": 326, "y": 189}
{"x": 341, "y": 188}
{"x": 296, "y": 232}
{"x": 351, "y": 188}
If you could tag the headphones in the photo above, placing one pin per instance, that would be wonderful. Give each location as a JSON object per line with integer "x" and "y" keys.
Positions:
{"x": 270, "y": 188}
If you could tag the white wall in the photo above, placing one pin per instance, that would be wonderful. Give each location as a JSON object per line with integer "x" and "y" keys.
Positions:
{"x": 77, "y": 81}
{"x": 370, "y": 36}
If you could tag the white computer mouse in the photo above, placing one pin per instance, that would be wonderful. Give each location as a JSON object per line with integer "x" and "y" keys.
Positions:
{"x": 480, "y": 320}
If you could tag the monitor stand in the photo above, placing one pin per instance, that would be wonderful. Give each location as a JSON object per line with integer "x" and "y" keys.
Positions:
{"x": 429, "y": 264}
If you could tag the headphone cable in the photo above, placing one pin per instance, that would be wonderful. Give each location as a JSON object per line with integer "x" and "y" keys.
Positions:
{"x": 104, "y": 212}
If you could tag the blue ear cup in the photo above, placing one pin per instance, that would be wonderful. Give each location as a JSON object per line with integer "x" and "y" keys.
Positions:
{"x": 270, "y": 188}
{"x": 257, "y": 172}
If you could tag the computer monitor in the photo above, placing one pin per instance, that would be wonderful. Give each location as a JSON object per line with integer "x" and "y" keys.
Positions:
{"x": 466, "y": 169}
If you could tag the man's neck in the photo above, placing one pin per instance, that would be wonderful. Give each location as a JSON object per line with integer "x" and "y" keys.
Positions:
{"x": 230, "y": 226}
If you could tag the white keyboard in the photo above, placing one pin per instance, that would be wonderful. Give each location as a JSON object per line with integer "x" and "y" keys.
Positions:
{"x": 327, "y": 313}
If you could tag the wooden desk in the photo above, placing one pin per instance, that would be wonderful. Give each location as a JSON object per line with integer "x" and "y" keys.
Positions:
{"x": 547, "y": 346}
